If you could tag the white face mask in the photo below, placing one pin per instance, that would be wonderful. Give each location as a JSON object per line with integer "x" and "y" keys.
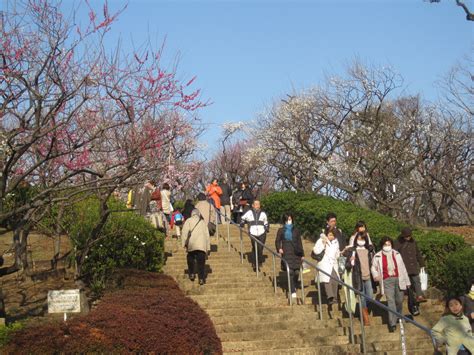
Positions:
{"x": 289, "y": 222}
{"x": 361, "y": 243}
{"x": 472, "y": 288}
{"x": 387, "y": 248}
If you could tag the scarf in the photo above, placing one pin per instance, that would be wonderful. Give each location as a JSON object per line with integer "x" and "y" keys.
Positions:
{"x": 471, "y": 295}
{"x": 390, "y": 263}
{"x": 288, "y": 232}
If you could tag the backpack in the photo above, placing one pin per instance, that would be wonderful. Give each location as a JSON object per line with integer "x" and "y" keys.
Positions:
{"x": 178, "y": 219}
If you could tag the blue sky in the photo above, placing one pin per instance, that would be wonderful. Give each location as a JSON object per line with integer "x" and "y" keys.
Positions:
{"x": 246, "y": 54}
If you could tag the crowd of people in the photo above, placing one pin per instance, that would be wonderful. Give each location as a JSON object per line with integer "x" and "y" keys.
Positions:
{"x": 393, "y": 270}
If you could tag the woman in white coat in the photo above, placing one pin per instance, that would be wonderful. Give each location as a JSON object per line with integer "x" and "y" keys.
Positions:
{"x": 389, "y": 270}
{"x": 328, "y": 244}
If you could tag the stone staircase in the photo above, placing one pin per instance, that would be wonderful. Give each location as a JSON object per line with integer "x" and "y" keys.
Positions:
{"x": 250, "y": 318}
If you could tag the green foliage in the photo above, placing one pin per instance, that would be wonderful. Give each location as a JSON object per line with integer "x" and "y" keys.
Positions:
{"x": 16, "y": 199}
{"x": 6, "y": 332}
{"x": 436, "y": 247}
{"x": 311, "y": 209}
{"x": 459, "y": 271}
{"x": 310, "y": 215}
{"x": 178, "y": 205}
{"x": 126, "y": 241}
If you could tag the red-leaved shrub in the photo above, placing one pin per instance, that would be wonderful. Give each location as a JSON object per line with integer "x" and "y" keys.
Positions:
{"x": 149, "y": 314}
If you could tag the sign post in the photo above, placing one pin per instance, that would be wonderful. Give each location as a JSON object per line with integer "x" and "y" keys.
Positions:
{"x": 64, "y": 301}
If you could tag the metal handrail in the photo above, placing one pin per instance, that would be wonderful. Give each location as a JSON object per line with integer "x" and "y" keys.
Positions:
{"x": 256, "y": 241}
{"x": 373, "y": 301}
{"x": 340, "y": 282}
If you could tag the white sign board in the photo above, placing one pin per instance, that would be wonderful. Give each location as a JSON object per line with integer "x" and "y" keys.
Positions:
{"x": 64, "y": 301}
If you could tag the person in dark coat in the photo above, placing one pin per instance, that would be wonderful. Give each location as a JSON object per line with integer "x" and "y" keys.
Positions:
{"x": 188, "y": 209}
{"x": 331, "y": 221}
{"x": 242, "y": 200}
{"x": 468, "y": 305}
{"x": 359, "y": 257}
{"x": 225, "y": 200}
{"x": 289, "y": 245}
{"x": 413, "y": 261}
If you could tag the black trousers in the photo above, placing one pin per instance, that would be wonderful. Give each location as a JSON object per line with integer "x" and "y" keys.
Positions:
{"x": 197, "y": 260}
{"x": 261, "y": 238}
{"x": 294, "y": 276}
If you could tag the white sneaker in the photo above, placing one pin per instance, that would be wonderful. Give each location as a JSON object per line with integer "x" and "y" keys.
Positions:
{"x": 293, "y": 295}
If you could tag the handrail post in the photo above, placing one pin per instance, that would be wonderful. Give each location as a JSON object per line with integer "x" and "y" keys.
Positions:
{"x": 319, "y": 296}
{"x": 274, "y": 274}
{"x": 402, "y": 337}
{"x": 349, "y": 310}
{"x": 228, "y": 234}
{"x": 241, "y": 247}
{"x": 302, "y": 283}
{"x": 362, "y": 329}
{"x": 217, "y": 225}
{"x": 289, "y": 290}
{"x": 256, "y": 257}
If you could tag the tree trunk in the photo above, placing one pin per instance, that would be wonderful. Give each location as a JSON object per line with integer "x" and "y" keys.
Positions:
{"x": 81, "y": 257}
{"x": 20, "y": 242}
{"x": 57, "y": 237}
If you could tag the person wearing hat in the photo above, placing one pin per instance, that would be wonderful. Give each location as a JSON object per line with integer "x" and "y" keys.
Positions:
{"x": 413, "y": 261}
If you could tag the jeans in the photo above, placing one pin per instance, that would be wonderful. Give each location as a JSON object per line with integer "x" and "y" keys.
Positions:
{"x": 394, "y": 298}
{"x": 366, "y": 290}
{"x": 196, "y": 259}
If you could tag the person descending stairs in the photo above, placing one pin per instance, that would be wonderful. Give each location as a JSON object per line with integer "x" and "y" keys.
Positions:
{"x": 251, "y": 318}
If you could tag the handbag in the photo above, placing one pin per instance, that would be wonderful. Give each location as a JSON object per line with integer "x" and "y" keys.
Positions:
{"x": 423, "y": 279}
{"x": 211, "y": 226}
{"x": 243, "y": 202}
{"x": 341, "y": 264}
{"x": 190, "y": 233}
{"x": 317, "y": 257}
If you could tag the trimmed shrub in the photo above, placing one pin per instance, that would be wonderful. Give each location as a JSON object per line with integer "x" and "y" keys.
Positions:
{"x": 149, "y": 315}
{"x": 436, "y": 247}
{"x": 311, "y": 209}
{"x": 8, "y": 331}
{"x": 127, "y": 240}
{"x": 459, "y": 271}
{"x": 310, "y": 215}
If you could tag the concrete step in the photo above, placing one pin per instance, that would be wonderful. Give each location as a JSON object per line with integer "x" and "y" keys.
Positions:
{"x": 224, "y": 304}
{"x": 309, "y": 350}
{"x": 412, "y": 344}
{"x": 284, "y": 342}
{"x": 246, "y": 326}
{"x": 270, "y": 333}
{"x": 237, "y": 311}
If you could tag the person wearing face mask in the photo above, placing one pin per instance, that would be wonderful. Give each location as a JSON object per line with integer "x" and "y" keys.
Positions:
{"x": 468, "y": 305}
{"x": 289, "y": 245}
{"x": 359, "y": 257}
{"x": 329, "y": 244}
{"x": 389, "y": 270}
{"x": 414, "y": 262}
{"x": 454, "y": 330}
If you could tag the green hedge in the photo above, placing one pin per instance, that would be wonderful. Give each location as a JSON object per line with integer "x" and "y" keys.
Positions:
{"x": 458, "y": 272}
{"x": 310, "y": 214}
{"x": 127, "y": 241}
